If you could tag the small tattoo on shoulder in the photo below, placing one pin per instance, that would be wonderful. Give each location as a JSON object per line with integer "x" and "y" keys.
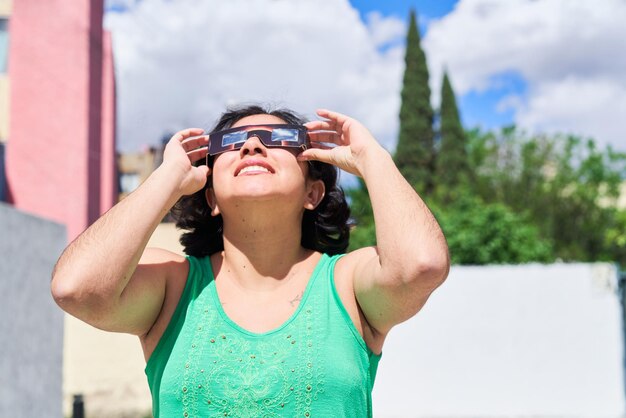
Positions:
{"x": 297, "y": 299}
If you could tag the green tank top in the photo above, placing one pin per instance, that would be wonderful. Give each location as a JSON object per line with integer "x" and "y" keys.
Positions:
{"x": 315, "y": 364}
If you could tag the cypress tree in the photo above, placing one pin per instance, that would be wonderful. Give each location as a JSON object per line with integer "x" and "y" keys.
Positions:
{"x": 414, "y": 153}
{"x": 452, "y": 160}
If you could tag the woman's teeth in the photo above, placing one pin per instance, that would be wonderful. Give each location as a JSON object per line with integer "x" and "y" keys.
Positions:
{"x": 253, "y": 168}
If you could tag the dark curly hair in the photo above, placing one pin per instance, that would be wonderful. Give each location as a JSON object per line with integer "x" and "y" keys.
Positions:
{"x": 325, "y": 229}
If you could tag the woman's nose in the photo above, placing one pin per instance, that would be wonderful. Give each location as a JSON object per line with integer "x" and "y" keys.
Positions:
{"x": 253, "y": 145}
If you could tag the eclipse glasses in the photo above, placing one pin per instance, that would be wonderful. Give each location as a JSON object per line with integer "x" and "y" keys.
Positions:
{"x": 271, "y": 135}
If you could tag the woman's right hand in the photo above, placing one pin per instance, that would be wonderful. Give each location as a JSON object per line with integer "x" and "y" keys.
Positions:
{"x": 181, "y": 152}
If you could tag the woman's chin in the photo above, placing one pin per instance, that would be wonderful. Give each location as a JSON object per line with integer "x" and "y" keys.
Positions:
{"x": 258, "y": 193}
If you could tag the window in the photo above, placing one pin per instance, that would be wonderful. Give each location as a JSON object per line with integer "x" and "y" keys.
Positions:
{"x": 129, "y": 182}
{"x": 4, "y": 44}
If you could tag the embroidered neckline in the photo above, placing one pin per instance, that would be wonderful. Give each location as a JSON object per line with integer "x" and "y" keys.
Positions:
{"x": 220, "y": 309}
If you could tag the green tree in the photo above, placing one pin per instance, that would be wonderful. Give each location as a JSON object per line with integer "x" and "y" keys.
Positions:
{"x": 564, "y": 185}
{"x": 489, "y": 233}
{"x": 502, "y": 196}
{"x": 452, "y": 165}
{"x": 414, "y": 153}
{"x": 363, "y": 234}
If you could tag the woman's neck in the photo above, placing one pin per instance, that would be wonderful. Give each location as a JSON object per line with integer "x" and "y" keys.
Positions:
{"x": 260, "y": 251}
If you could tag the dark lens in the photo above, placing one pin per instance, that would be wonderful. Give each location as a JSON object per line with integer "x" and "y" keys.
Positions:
{"x": 284, "y": 135}
{"x": 234, "y": 138}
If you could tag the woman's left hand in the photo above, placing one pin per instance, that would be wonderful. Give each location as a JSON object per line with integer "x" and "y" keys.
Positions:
{"x": 351, "y": 142}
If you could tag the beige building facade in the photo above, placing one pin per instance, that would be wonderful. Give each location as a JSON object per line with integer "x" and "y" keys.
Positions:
{"x": 108, "y": 368}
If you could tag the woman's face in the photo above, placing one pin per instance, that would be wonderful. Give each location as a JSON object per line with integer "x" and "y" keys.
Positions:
{"x": 259, "y": 173}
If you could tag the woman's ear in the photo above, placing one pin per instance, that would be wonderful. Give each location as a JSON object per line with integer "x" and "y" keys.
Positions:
{"x": 315, "y": 194}
{"x": 209, "y": 194}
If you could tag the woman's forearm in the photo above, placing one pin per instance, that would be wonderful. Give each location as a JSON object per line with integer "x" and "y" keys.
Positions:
{"x": 409, "y": 240}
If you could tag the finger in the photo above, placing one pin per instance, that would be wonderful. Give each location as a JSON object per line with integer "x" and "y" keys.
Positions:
{"x": 320, "y": 125}
{"x": 317, "y": 154}
{"x": 195, "y": 142}
{"x": 330, "y": 137}
{"x": 343, "y": 123}
{"x": 337, "y": 121}
{"x": 324, "y": 125}
{"x": 320, "y": 145}
{"x": 187, "y": 133}
{"x": 197, "y": 154}
{"x": 340, "y": 118}
{"x": 206, "y": 170}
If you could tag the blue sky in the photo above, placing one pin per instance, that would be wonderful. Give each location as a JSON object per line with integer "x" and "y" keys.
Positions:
{"x": 428, "y": 9}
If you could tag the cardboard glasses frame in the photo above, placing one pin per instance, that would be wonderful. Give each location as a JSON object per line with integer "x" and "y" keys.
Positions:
{"x": 271, "y": 135}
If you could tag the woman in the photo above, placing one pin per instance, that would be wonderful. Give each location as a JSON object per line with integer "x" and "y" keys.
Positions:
{"x": 264, "y": 317}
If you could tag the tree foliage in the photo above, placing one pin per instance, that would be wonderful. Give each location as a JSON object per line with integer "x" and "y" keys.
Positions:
{"x": 503, "y": 196}
{"x": 414, "y": 153}
{"x": 534, "y": 198}
{"x": 452, "y": 164}
{"x": 364, "y": 234}
{"x": 488, "y": 233}
{"x": 567, "y": 186}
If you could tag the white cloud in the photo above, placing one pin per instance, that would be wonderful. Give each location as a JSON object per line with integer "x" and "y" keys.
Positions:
{"x": 385, "y": 30}
{"x": 180, "y": 62}
{"x": 592, "y": 107}
{"x": 572, "y": 54}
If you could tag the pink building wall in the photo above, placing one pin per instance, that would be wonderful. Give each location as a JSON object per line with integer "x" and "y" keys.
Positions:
{"x": 61, "y": 146}
{"x": 108, "y": 175}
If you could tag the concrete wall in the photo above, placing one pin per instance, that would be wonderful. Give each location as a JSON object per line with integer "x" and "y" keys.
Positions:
{"x": 509, "y": 341}
{"x": 31, "y": 328}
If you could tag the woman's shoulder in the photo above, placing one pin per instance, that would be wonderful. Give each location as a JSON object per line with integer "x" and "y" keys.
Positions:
{"x": 351, "y": 261}
{"x": 161, "y": 255}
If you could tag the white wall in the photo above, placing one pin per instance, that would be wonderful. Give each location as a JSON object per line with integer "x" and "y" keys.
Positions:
{"x": 510, "y": 341}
